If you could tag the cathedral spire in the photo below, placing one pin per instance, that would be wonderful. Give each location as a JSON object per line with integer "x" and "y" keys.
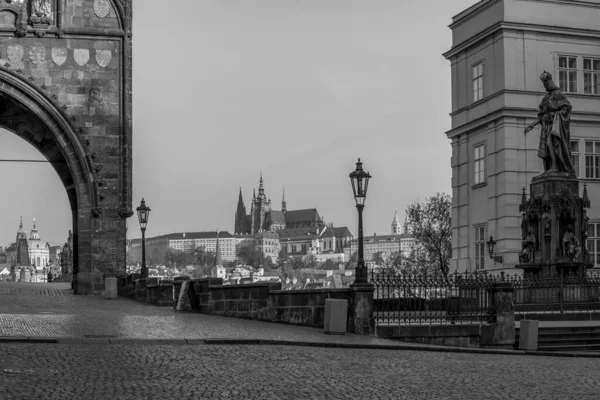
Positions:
{"x": 283, "y": 203}
{"x": 261, "y": 188}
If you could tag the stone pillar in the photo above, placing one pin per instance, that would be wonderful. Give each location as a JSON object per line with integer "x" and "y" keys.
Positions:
{"x": 500, "y": 333}
{"x": 360, "y": 310}
{"x": 110, "y": 286}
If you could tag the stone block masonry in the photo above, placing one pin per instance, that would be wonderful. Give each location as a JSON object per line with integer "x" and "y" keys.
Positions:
{"x": 261, "y": 301}
{"x": 65, "y": 87}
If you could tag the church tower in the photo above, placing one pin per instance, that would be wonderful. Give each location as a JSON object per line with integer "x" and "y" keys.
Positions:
{"x": 396, "y": 226}
{"x": 241, "y": 219}
{"x": 22, "y": 246}
{"x": 283, "y": 203}
{"x": 260, "y": 207}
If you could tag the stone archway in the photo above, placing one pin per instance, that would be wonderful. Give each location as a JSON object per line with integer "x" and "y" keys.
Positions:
{"x": 65, "y": 87}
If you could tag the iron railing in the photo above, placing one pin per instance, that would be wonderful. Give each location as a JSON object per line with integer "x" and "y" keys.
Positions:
{"x": 556, "y": 294}
{"x": 408, "y": 299}
{"x": 418, "y": 299}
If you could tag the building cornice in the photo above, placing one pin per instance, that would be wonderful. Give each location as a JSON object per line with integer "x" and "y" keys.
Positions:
{"x": 515, "y": 112}
{"x": 470, "y": 12}
{"x": 518, "y": 26}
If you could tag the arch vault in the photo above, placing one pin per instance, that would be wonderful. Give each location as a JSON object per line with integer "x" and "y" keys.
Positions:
{"x": 65, "y": 87}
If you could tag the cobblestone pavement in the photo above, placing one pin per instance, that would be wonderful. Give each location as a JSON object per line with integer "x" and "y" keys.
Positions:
{"x": 54, "y": 371}
{"x": 51, "y": 310}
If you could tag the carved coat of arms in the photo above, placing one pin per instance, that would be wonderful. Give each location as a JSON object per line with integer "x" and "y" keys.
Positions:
{"x": 15, "y": 53}
{"x": 81, "y": 56}
{"x": 37, "y": 54}
{"x": 103, "y": 57}
{"x": 101, "y": 8}
{"x": 59, "y": 55}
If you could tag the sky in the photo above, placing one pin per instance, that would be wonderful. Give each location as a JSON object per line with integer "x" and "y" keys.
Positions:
{"x": 295, "y": 89}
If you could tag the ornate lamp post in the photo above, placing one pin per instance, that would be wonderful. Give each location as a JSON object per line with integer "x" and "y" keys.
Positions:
{"x": 491, "y": 247}
{"x": 143, "y": 213}
{"x": 360, "y": 182}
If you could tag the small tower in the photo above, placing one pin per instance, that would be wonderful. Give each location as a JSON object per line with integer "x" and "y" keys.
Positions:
{"x": 396, "y": 226}
{"x": 283, "y": 203}
{"x": 241, "y": 220}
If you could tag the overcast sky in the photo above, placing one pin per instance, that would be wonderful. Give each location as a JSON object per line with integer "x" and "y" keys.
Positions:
{"x": 297, "y": 89}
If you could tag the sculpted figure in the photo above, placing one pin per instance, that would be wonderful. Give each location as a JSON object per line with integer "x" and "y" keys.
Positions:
{"x": 571, "y": 246}
{"x": 41, "y": 12}
{"x": 554, "y": 117}
{"x": 529, "y": 244}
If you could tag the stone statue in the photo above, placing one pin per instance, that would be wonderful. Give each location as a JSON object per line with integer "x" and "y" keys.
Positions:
{"x": 41, "y": 12}
{"x": 527, "y": 254}
{"x": 554, "y": 117}
{"x": 571, "y": 246}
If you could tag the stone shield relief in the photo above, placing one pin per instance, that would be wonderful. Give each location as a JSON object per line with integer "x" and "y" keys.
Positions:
{"x": 101, "y": 8}
{"x": 37, "y": 54}
{"x": 15, "y": 53}
{"x": 103, "y": 57}
{"x": 81, "y": 56}
{"x": 59, "y": 55}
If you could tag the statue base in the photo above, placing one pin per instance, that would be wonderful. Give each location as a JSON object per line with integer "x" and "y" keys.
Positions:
{"x": 554, "y": 226}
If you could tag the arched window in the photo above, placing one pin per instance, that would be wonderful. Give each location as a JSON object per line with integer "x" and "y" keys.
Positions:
{"x": 38, "y": 261}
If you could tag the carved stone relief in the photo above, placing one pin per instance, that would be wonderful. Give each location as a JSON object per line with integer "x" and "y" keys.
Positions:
{"x": 101, "y": 8}
{"x": 59, "y": 55}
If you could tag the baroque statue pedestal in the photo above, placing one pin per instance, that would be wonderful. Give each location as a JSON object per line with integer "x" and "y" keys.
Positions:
{"x": 554, "y": 226}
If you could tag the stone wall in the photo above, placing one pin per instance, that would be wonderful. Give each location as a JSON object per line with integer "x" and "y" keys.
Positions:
{"x": 261, "y": 301}
{"x": 66, "y": 89}
{"x": 447, "y": 335}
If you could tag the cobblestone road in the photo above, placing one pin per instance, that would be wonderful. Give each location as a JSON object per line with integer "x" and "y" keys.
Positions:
{"x": 50, "y": 371}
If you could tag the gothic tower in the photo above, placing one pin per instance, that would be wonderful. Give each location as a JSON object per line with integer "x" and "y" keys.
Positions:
{"x": 241, "y": 219}
{"x": 261, "y": 205}
{"x": 283, "y": 203}
{"x": 22, "y": 246}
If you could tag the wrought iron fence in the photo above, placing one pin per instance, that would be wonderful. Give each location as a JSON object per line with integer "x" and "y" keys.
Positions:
{"x": 556, "y": 294}
{"x": 408, "y": 299}
{"x": 412, "y": 299}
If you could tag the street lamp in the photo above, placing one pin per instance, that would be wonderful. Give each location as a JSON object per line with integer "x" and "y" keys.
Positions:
{"x": 491, "y": 246}
{"x": 143, "y": 213}
{"x": 360, "y": 182}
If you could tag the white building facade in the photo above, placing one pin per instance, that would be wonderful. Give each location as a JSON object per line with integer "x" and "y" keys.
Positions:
{"x": 499, "y": 50}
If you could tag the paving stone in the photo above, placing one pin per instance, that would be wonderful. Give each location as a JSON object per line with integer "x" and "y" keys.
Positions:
{"x": 284, "y": 372}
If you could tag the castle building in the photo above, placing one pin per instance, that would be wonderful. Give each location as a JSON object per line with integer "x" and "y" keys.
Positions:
{"x": 500, "y": 49}
{"x": 263, "y": 218}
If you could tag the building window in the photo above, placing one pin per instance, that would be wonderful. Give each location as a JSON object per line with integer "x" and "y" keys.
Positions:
{"x": 591, "y": 76}
{"x": 479, "y": 164}
{"x": 478, "y": 81}
{"x": 567, "y": 73}
{"x": 593, "y": 242}
{"x": 479, "y": 247}
{"x": 575, "y": 152}
{"x": 592, "y": 159}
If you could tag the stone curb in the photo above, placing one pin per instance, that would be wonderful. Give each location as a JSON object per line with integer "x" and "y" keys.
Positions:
{"x": 440, "y": 349}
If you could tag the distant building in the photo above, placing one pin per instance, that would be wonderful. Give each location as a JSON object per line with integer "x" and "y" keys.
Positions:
{"x": 386, "y": 245}
{"x": 499, "y": 51}
{"x": 157, "y": 246}
{"x": 32, "y": 251}
{"x": 262, "y": 218}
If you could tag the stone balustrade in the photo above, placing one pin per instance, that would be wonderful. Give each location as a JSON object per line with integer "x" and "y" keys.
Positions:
{"x": 259, "y": 301}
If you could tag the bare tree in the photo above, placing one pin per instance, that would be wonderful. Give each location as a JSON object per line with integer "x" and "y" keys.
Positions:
{"x": 430, "y": 223}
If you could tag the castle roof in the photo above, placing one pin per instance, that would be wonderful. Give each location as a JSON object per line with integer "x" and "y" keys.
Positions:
{"x": 296, "y": 216}
{"x": 341, "y": 231}
{"x": 303, "y": 232}
{"x": 275, "y": 217}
